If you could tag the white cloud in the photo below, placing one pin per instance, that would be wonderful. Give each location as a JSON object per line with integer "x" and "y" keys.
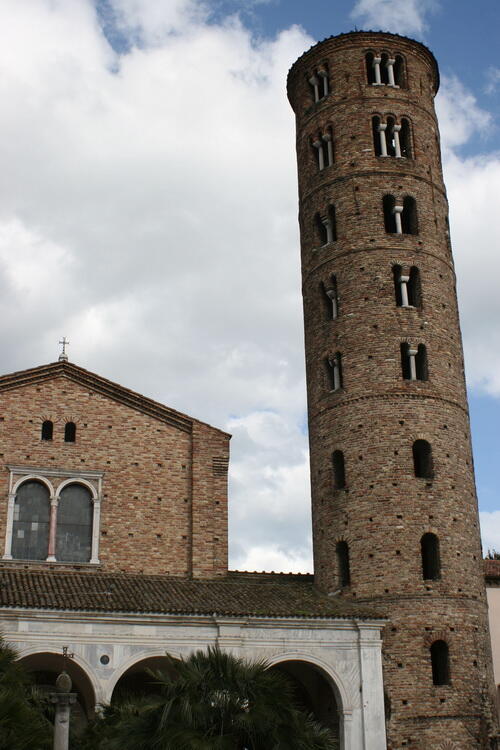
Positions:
{"x": 150, "y": 215}
{"x": 397, "y": 16}
{"x": 492, "y": 80}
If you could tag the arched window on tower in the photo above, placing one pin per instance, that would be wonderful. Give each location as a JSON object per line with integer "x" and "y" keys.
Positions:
{"x": 30, "y": 529}
{"x": 326, "y": 226}
{"x": 331, "y": 299}
{"x": 405, "y": 139}
{"x": 431, "y": 562}
{"x": 389, "y": 207}
{"x": 399, "y": 71}
{"x": 334, "y": 371}
{"x": 422, "y": 459}
{"x": 338, "y": 465}
{"x": 69, "y": 432}
{"x": 406, "y": 361}
{"x": 74, "y": 524}
{"x": 440, "y": 660}
{"x": 47, "y": 430}
{"x": 409, "y": 220}
{"x": 344, "y": 568}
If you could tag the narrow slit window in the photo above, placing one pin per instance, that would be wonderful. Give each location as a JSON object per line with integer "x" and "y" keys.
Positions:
{"x": 423, "y": 465}
{"x": 389, "y": 204}
{"x": 338, "y": 465}
{"x": 406, "y": 368}
{"x": 421, "y": 371}
{"x": 47, "y": 430}
{"x": 413, "y": 286}
{"x": 405, "y": 139}
{"x": 334, "y": 371}
{"x": 399, "y": 71}
{"x": 343, "y": 563}
{"x": 440, "y": 660}
{"x": 384, "y": 72}
{"x": 409, "y": 216}
{"x": 370, "y": 68}
{"x": 431, "y": 561}
{"x": 70, "y": 432}
{"x": 390, "y": 137}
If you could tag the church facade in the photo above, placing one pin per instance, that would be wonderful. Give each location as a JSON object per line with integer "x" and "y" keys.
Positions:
{"x": 114, "y": 515}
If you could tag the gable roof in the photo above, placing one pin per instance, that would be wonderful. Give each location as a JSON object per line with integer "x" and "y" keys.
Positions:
{"x": 103, "y": 386}
{"x": 237, "y": 594}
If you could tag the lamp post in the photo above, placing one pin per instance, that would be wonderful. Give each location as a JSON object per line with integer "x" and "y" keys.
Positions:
{"x": 63, "y": 699}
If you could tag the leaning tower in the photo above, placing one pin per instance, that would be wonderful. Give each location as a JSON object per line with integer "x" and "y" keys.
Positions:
{"x": 395, "y": 520}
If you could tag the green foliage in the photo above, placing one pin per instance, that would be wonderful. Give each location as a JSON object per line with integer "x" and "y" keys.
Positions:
{"x": 23, "y": 725}
{"x": 210, "y": 701}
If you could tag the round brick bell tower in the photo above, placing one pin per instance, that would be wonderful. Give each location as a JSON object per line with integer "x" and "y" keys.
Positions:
{"x": 395, "y": 520}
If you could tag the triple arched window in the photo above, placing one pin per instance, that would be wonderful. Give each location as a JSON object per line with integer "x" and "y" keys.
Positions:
{"x": 384, "y": 69}
{"x": 53, "y": 524}
{"x": 392, "y": 138}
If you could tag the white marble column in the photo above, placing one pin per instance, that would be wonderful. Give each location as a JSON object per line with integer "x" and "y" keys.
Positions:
{"x": 397, "y": 211}
{"x": 94, "y": 558}
{"x": 403, "y": 285}
{"x": 51, "y": 556}
{"x": 324, "y": 76}
{"x": 397, "y": 145}
{"x": 412, "y": 353}
{"x": 315, "y": 84}
{"x": 390, "y": 71}
{"x": 329, "y": 145}
{"x": 376, "y": 69}
{"x": 382, "y": 127}
{"x": 332, "y": 296}
{"x": 318, "y": 145}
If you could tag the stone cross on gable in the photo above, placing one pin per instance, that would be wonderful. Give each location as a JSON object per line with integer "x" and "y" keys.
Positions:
{"x": 63, "y": 357}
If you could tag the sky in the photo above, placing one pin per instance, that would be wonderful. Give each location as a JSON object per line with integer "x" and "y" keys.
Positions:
{"x": 148, "y": 212}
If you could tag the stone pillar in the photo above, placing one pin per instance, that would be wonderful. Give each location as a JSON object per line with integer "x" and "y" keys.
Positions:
{"x": 397, "y": 144}
{"x": 390, "y": 71}
{"x": 51, "y": 557}
{"x": 376, "y": 70}
{"x": 412, "y": 353}
{"x": 63, "y": 700}
{"x": 318, "y": 145}
{"x": 332, "y": 296}
{"x": 382, "y": 127}
{"x": 324, "y": 76}
{"x": 403, "y": 283}
{"x": 397, "y": 211}
{"x": 315, "y": 84}
{"x": 10, "y": 524}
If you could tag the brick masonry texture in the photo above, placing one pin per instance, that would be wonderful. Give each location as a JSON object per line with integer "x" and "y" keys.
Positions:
{"x": 164, "y": 503}
{"x": 376, "y": 416}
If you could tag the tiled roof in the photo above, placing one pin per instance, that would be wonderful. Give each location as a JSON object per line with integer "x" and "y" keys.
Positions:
{"x": 101, "y": 385}
{"x": 238, "y": 594}
{"x": 491, "y": 568}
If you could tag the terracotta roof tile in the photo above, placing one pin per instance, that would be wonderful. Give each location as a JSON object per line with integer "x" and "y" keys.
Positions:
{"x": 239, "y": 594}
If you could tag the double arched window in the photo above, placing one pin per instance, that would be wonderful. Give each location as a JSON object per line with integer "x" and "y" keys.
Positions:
{"x": 47, "y": 431}
{"x": 385, "y": 69}
{"x": 55, "y": 525}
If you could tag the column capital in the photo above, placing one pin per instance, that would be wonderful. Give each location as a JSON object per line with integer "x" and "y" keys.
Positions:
{"x": 382, "y": 127}
{"x": 396, "y": 128}
{"x": 313, "y": 80}
{"x": 405, "y": 279}
{"x": 391, "y": 60}
{"x": 327, "y": 137}
{"x": 317, "y": 144}
{"x": 397, "y": 210}
{"x": 376, "y": 61}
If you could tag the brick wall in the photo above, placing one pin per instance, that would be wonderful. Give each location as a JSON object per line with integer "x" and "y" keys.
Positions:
{"x": 164, "y": 503}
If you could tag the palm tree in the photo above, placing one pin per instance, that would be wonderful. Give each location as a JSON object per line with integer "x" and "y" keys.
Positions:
{"x": 23, "y": 725}
{"x": 213, "y": 701}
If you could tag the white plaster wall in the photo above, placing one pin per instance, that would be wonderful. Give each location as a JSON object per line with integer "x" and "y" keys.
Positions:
{"x": 493, "y": 596}
{"x": 348, "y": 653}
